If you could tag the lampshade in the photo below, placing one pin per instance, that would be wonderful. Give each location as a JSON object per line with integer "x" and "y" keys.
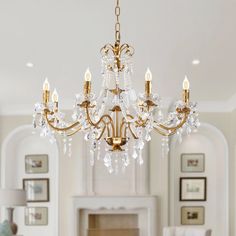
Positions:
{"x": 12, "y": 197}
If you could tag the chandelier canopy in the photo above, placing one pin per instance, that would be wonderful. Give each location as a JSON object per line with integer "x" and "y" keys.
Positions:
{"x": 117, "y": 115}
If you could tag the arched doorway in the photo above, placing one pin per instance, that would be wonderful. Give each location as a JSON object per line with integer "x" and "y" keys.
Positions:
{"x": 210, "y": 141}
{"x": 20, "y": 142}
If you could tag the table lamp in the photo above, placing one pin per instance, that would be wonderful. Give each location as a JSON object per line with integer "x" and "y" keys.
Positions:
{"x": 11, "y": 198}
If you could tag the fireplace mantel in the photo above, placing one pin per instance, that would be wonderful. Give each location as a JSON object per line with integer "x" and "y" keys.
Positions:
{"x": 144, "y": 206}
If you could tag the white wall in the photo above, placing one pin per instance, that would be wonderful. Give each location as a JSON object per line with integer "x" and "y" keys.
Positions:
{"x": 159, "y": 179}
{"x": 134, "y": 180}
{"x": 72, "y": 178}
{"x": 208, "y": 140}
{"x": 18, "y": 144}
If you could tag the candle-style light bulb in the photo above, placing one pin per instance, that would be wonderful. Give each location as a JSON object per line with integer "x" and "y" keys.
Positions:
{"x": 55, "y": 96}
{"x": 148, "y": 82}
{"x": 46, "y": 85}
{"x": 186, "y": 92}
{"x": 148, "y": 75}
{"x": 87, "y": 75}
{"x": 87, "y": 82}
{"x": 186, "y": 83}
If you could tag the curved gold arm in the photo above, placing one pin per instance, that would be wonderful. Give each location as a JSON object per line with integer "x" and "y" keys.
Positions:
{"x": 103, "y": 130}
{"x": 129, "y": 49}
{"x": 46, "y": 112}
{"x": 74, "y": 132}
{"x": 132, "y": 132}
{"x": 164, "y": 133}
{"x": 100, "y": 120}
{"x": 108, "y": 47}
{"x": 173, "y": 128}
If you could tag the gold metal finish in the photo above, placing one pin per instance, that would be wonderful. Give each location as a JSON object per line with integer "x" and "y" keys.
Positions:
{"x": 87, "y": 87}
{"x": 117, "y": 50}
{"x": 117, "y": 91}
{"x": 115, "y": 130}
{"x": 117, "y": 25}
{"x": 186, "y": 96}
{"x": 46, "y": 96}
{"x": 148, "y": 88}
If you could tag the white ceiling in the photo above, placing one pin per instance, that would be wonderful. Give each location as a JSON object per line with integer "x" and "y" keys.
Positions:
{"x": 62, "y": 38}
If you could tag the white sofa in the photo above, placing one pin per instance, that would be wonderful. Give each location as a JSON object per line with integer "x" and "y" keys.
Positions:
{"x": 186, "y": 231}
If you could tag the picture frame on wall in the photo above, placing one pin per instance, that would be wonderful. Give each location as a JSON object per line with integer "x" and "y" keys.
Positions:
{"x": 37, "y": 190}
{"x": 193, "y": 189}
{"x": 36, "y": 216}
{"x": 36, "y": 164}
{"x": 192, "y": 215}
{"x": 192, "y": 162}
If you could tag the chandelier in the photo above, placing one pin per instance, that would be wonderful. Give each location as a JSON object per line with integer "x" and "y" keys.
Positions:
{"x": 117, "y": 120}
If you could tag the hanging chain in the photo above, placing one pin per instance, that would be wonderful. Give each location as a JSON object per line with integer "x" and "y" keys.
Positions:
{"x": 117, "y": 25}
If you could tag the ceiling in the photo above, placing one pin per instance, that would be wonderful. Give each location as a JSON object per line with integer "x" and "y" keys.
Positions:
{"x": 62, "y": 38}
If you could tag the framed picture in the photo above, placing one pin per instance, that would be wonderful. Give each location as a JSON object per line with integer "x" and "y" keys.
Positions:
{"x": 36, "y": 216}
{"x": 192, "y": 162}
{"x": 194, "y": 215}
{"x": 193, "y": 189}
{"x": 37, "y": 190}
{"x": 36, "y": 164}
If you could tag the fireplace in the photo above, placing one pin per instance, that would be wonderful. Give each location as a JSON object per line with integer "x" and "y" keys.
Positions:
{"x": 116, "y": 216}
{"x": 107, "y": 224}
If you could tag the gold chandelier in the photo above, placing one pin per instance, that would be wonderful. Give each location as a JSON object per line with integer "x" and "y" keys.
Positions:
{"x": 117, "y": 115}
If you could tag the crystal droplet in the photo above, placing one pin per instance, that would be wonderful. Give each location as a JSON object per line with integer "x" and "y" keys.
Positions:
{"x": 87, "y": 136}
{"x": 135, "y": 155}
{"x": 148, "y": 137}
{"x": 64, "y": 148}
{"x": 140, "y": 158}
{"x": 140, "y": 144}
{"x": 110, "y": 170}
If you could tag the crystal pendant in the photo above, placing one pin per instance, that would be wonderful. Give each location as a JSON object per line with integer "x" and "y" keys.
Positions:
{"x": 135, "y": 155}
{"x": 165, "y": 147}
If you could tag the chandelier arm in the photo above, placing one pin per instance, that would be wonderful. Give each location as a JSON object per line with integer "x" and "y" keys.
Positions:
{"x": 46, "y": 112}
{"x": 129, "y": 49}
{"x": 74, "y": 132}
{"x": 103, "y": 130}
{"x": 105, "y": 49}
{"x": 108, "y": 130}
{"x": 161, "y": 132}
{"x": 142, "y": 124}
{"x": 164, "y": 133}
{"x": 129, "y": 126}
{"x": 124, "y": 122}
{"x": 125, "y": 132}
{"x": 100, "y": 120}
{"x": 122, "y": 125}
{"x": 173, "y": 128}
{"x": 132, "y": 132}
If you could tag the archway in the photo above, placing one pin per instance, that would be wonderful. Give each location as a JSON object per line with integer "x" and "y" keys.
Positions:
{"x": 20, "y": 142}
{"x": 210, "y": 141}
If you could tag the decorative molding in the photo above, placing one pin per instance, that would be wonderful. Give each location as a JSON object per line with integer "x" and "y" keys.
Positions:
{"x": 9, "y": 143}
{"x": 205, "y": 129}
{"x": 114, "y": 204}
